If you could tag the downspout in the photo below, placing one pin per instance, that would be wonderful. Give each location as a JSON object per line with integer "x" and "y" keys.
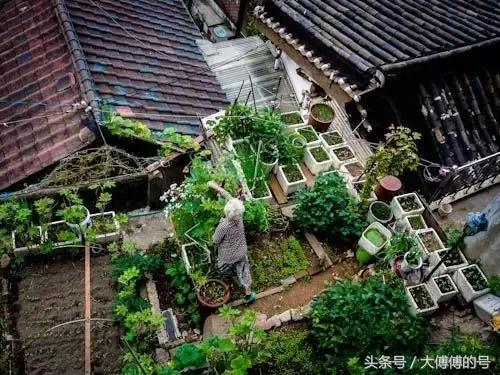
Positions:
{"x": 79, "y": 61}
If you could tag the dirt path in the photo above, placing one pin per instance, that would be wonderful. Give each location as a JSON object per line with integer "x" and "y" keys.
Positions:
{"x": 303, "y": 291}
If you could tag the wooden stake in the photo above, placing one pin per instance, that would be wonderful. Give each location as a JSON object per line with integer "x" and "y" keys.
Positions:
{"x": 88, "y": 313}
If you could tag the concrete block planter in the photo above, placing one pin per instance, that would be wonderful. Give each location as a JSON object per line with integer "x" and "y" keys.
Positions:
{"x": 20, "y": 248}
{"x": 353, "y": 170}
{"x": 192, "y": 254}
{"x": 442, "y": 288}
{"x": 420, "y": 300}
{"x": 413, "y": 223}
{"x": 406, "y": 204}
{"x": 471, "y": 282}
{"x": 107, "y": 236}
{"x": 290, "y": 178}
{"x": 450, "y": 265}
{"x": 317, "y": 159}
{"x": 331, "y": 139}
{"x": 341, "y": 155}
{"x": 429, "y": 240}
{"x": 374, "y": 238}
{"x": 308, "y": 132}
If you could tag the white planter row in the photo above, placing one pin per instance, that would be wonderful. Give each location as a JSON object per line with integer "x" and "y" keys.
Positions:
{"x": 414, "y": 309}
{"x": 408, "y": 227}
{"x": 400, "y": 212}
{"x": 433, "y": 233}
{"x": 465, "y": 287}
{"x": 316, "y": 167}
{"x": 436, "y": 256}
{"x": 290, "y": 187}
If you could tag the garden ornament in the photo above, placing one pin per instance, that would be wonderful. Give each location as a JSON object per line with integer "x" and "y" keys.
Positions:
{"x": 230, "y": 240}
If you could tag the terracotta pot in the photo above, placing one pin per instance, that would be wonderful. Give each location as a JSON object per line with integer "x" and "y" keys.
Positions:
{"x": 212, "y": 306}
{"x": 387, "y": 188}
{"x": 319, "y": 125}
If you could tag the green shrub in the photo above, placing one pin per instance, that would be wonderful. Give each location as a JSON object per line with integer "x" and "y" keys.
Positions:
{"x": 188, "y": 356}
{"x": 290, "y": 353}
{"x": 494, "y": 282}
{"x": 355, "y": 320}
{"x": 326, "y": 209}
{"x": 256, "y": 217}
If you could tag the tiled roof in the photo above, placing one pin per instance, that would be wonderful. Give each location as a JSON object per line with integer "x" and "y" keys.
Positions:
{"x": 388, "y": 34}
{"x": 164, "y": 74}
{"x": 35, "y": 66}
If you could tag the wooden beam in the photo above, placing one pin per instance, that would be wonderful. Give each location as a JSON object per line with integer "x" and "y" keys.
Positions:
{"x": 332, "y": 90}
{"x": 88, "y": 314}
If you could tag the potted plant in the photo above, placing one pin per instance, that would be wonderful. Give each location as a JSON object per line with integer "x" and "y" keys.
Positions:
{"x": 429, "y": 240}
{"x": 331, "y": 139}
{"x": 442, "y": 288}
{"x": 379, "y": 211}
{"x": 309, "y": 135}
{"x": 471, "y": 282}
{"x": 341, "y": 155}
{"x": 74, "y": 213}
{"x": 317, "y": 160}
{"x": 290, "y": 178}
{"x": 420, "y": 300}
{"x": 454, "y": 260}
{"x": 406, "y": 204}
{"x": 413, "y": 259}
{"x": 269, "y": 156}
{"x": 105, "y": 226}
{"x": 213, "y": 293}
{"x": 399, "y": 244}
{"x": 356, "y": 187}
{"x": 321, "y": 116}
{"x": 292, "y": 118}
{"x": 414, "y": 222}
{"x": 58, "y": 234}
{"x": 353, "y": 170}
{"x": 374, "y": 238}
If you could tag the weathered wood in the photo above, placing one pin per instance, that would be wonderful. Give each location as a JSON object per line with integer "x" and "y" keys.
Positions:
{"x": 152, "y": 293}
{"x": 324, "y": 259}
{"x": 277, "y": 190}
{"x": 265, "y": 293}
{"x": 308, "y": 174}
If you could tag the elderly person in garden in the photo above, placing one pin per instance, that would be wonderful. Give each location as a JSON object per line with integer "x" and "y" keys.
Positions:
{"x": 229, "y": 237}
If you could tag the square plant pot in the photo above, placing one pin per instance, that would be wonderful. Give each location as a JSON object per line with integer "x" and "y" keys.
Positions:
{"x": 108, "y": 236}
{"x": 457, "y": 261}
{"x": 471, "y": 282}
{"x": 268, "y": 197}
{"x": 192, "y": 254}
{"x": 354, "y": 189}
{"x": 341, "y": 155}
{"x": 60, "y": 224}
{"x": 442, "y": 288}
{"x": 374, "y": 238}
{"x": 308, "y": 132}
{"x": 406, "y": 204}
{"x": 331, "y": 139}
{"x": 317, "y": 159}
{"x": 354, "y": 170}
{"x": 298, "y": 180}
{"x": 20, "y": 250}
{"x": 429, "y": 240}
{"x": 209, "y": 122}
{"x": 420, "y": 300}
{"x": 414, "y": 223}
{"x": 292, "y": 119}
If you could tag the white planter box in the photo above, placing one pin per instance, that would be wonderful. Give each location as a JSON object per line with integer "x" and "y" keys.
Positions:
{"x": 300, "y": 123}
{"x": 399, "y": 212}
{"x": 465, "y": 288}
{"x": 111, "y": 236}
{"x": 210, "y": 121}
{"x": 290, "y": 187}
{"x": 268, "y": 197}
{"x": 369, "y": 246}
{"x": 353, "y": 192}
{"x": 345, "y": 171}
{"x": 314, "y": 166}
{"x": 436, "y": 256}
{"x": 434, "y": 234}
{"x": 26, "y": 249}
{"x": 337, "y": 163}
{"x": 409, "y": 228}
{"x": 185, "y": 257}
{"x": 230, "y": 143}
{"x": 59, "y": 244}
{"x": 486, "y": 307}
{"x": 437, "y": 294}
{"x": 414, "y": 309}
{"x": 324, "y": 137}
{"x": 316, "y": 142}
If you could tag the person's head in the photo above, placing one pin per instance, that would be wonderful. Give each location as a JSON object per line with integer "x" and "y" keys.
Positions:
{"x": 234, "y": 209}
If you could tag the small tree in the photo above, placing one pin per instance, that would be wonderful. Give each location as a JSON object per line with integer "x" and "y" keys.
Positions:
{"x": 397, "y": 155}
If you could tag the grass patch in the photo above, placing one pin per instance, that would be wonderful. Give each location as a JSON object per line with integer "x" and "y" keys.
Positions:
{"x": 291, "y": 118}
{"x": 322, "y": 112}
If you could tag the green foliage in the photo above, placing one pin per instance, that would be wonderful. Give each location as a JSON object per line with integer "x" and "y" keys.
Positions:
{"x": 171, "y": 140}
{"x": 494, "y": 282}
{"x": 185, "y": 296}
{"x": 290, "y": 353}
{"x": 256, "y": 217}
{"x": 400, "y": 244}
{"x": 188, "y": 356}
{"x": 355, "y": 320}
{"x": 125, "y": 127}
{"x": 455, "y": 238}
{"x": 72, "y": 209}
{"x": 398, "y": 154}
{"x": 326, "y": 209}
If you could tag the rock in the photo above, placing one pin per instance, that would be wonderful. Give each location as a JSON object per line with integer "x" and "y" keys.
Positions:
{"x": 215, "y": 325}
{"x": 285, "y": 317}
{"x": 288, "y": 281}
{"x": 297, "y": 315}
{"x": 288, "y": 210}
{"x": 350, "y": 254}
{"x": 196, "y": 331}
{"x": 261, "y": 321}
{"x": 306, "y": 309}
{"x": 4, "y": 261}
{"x": 161, "y": 355}
{"x": 274, "y": 322}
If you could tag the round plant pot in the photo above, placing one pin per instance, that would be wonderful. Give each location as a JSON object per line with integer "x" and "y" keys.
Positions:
{"x": 268, "y": 167}
{"x": 387, "y": 188}
{"x": 405, "y": 266}
{"x": 86, "y": 223}
{"x": 320, "y": 125}
{"x": 372, "y": 217}
{"x": 445, "y": 209}
{"x": 212, "y": 306}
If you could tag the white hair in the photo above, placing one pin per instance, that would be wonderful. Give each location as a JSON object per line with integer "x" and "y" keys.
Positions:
{"x": 234, "y": 209}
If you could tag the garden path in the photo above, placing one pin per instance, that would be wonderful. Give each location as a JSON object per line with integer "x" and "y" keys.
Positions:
{"x": 303, "y": 291}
